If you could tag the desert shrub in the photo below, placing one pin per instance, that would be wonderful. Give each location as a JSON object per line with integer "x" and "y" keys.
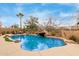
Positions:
{"x": 53, "y": 33}
{"x": 3, "y": 31}
{"x": 56, "y": 33}
{"x": 74, "y": 38}
{"x": 7, "y": 32}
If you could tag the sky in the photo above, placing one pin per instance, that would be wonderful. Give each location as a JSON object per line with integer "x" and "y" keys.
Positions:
{"x": 61, "y": 13}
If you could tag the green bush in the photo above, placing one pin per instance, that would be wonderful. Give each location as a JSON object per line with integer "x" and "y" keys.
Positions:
{"x": 7, "y": 39}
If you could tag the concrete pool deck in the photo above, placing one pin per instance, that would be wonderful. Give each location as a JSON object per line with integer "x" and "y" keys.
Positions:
{"x": 13, "y": 49}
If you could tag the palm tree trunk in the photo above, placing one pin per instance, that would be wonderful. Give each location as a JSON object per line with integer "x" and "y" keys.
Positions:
{"x": 20, "y": 22}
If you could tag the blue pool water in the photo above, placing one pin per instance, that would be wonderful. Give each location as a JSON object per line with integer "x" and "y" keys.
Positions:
{"x": 37, "y": 43}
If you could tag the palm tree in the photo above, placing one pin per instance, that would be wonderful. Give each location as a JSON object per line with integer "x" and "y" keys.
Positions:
{"x": 20, "y": 15}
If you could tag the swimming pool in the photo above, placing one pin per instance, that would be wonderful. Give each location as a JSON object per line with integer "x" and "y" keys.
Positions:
{"x": 37, "y": 43}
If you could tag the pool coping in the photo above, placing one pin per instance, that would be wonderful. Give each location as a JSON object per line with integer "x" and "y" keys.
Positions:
{"x": 40, "y": 53}
{"x": 61, "y": 38}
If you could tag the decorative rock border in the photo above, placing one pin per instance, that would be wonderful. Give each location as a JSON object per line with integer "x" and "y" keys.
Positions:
{"x": 65, "y": 40}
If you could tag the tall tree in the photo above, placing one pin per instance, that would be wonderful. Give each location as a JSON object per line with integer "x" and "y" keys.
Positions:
{"x": 20, "y": 15}
{"x": 77, "y": 17}
{"x": 31, "y": 24}
{"x": 50, "y": 25}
